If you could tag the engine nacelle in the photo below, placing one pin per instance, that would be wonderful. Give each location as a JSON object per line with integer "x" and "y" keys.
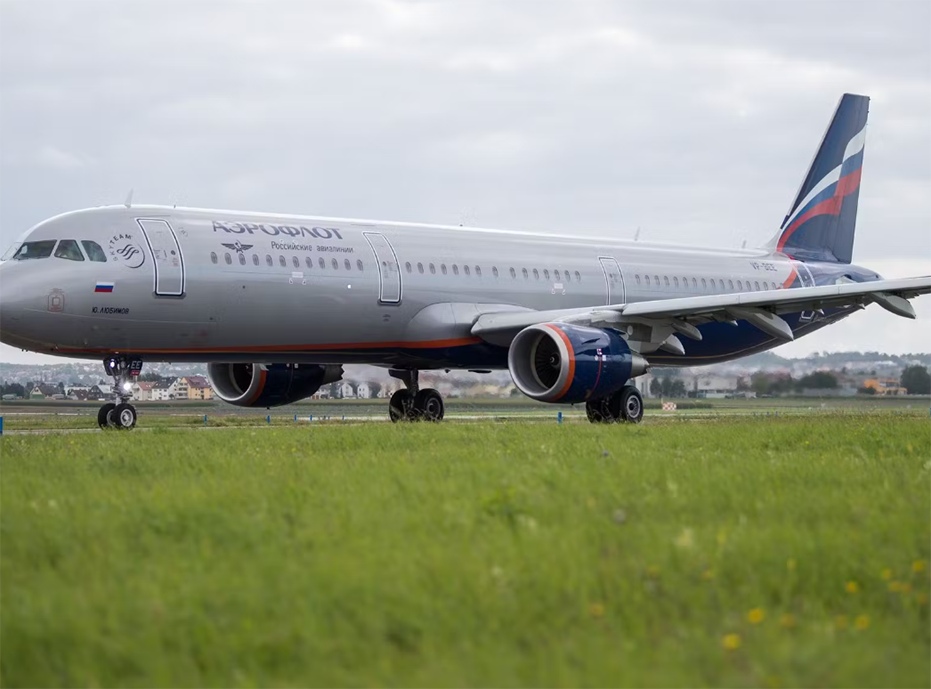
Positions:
{"x": 261, "y": 385}
{"x": 558, "y": 362}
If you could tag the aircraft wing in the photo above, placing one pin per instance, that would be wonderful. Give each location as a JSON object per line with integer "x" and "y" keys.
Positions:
{"x": 652, "y": 325}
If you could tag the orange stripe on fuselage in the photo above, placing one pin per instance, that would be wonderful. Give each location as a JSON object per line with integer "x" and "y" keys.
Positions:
{"x": 569, "y": 378}
{"x": 334, "y": 347}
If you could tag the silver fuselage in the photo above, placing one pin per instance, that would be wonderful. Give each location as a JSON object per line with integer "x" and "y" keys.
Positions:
{"x": 184, "y": 284}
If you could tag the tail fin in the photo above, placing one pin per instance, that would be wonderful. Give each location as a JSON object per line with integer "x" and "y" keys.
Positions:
{"x": 821, "y": 222}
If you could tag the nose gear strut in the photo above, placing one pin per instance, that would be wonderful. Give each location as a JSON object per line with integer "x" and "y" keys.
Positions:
{"x": 120, "y": 414}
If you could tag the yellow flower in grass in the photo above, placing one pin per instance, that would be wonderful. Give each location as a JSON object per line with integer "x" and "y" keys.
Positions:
{"x": 731, "y": 642}
{"x": 787, "y": 620}
{"x": 596, "y": 610}
{"x": 852, "y": 587}
{"x": 756, "y": 616}
{"x": 886, "y": 574}
{"x": 862, "y": 622}
{"x": 919, "y": 566}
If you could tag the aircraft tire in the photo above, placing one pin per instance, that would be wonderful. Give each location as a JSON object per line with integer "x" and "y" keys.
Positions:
{"x": 429, "y": 405}
{"x": 125, "y": 415}
{"x": 631, "y": 404}
{"x": 401, "y": 406}
{"x": 103, "y": 415}
{"x": 595, "y": 411}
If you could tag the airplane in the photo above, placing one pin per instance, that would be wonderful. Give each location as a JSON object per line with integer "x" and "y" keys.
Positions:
{"x": 277, "y": 304}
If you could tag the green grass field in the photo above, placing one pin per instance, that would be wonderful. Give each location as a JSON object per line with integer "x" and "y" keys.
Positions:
{"x": 768, "y": 552}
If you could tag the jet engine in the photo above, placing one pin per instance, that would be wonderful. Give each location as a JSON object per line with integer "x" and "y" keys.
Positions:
{"x": 271, "y": 385}
{"x": 559, "y": 362}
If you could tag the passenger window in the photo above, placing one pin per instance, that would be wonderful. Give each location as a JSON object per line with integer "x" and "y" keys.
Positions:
{"x": 757, "y": 283}
{"x": 94, "y": 252}
{"x": 455, "y": 269}
{"x": 494, "y": 271}
{"x": 694, "y": 283}
{"x": 525, "y": 274}
{"x": 321, "y": 262}
{"x": 638, "y": 279}
{"x": 334, "y": 263}
{"x": 713, "y": 288}
{"x": 466, "y": 270}
{"x": 268, "y": 259}
{"x": 242, "y": 259}
{"x": 513, "y": 273}
{"x": 578, "y": 277}
{"x": 420, "y": 268}
{"x": 346, "y": 264}
{"x": 295, "y": 261}
{"x": 656, "y": 280}
{"x": 568, "y": 276}
{"x": 408, "y": 266}
{"x": 740, "y": 286}
{"x": 704, "y": 285}
{"x": 478, "y": 271}
{"x": 647, "y": 278}
{"x": 443, "y": 268}
{"x": 229, "y": 259}
{"x": 255, "y": 259}
{"x": 432, "y": 269}
{"x": 685, "y": 283}
{"x": 536, "y": 274}
{"x": 675, "y": 281}
{"x": 359, "y": 264}
{"x": 309, "y": 261}
{"x": 666, "y": 280}
{"x": 556, "y": 275}
{"x": 213, "y": 257}
{"x": 546, "y": 274}
{"x": 730, "y": 284}
{"x": 282, "y": 262}
{"x": 30, "y": 250}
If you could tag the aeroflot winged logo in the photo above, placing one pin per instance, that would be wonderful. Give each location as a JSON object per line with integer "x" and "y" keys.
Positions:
{"x": 238, "y": 247}
{"x": 123, "y": 249}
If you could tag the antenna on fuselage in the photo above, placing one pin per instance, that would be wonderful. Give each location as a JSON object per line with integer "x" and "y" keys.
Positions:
{"x": 744, "y": 245}
{"x": 129, "y": 199}
{"x": 637, "y": 234}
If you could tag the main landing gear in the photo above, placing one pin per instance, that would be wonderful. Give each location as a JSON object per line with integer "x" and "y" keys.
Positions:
{"x": 624, "y": 405}
{"x": 119, "y": 414}
{"x": 412, "y": 403}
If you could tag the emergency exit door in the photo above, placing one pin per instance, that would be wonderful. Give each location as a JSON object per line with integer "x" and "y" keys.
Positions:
{"x": 389, "y": 273}
{"x": 615, "y": 293}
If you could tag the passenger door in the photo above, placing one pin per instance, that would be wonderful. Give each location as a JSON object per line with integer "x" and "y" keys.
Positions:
{"x": 389, "y": 273}
{"x": 166, "y": 254}
{"x": 615, "y": 292}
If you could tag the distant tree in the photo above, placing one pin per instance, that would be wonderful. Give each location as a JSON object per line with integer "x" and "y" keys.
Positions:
{"x": 334, "y": 389}
{"x": 61, "y": 388}
{"x": 656, "y": 387}
{"x": 819, "y": 380}
{"x": 150, "y": 377}
{"x": 374, "y": 389}
{"x": 515, "y": 392}
{"x": 916, "y": 380}
{"x": 677, "y": 388}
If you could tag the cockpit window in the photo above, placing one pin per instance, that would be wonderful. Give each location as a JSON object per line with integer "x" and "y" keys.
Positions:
{"x": 69, "y": 249}
{"x": 30, "y": 250}
{"x": 94, "y": 252}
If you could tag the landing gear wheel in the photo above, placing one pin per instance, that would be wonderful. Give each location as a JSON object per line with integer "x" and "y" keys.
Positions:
{"x": 103, "y": 415}
{"x": 401, "y": 406}
{"x": 631, "y": 404}
{"x": 429, "y": 405}
{"x": 604, "y": 410}
{"x": 125, "y": 415}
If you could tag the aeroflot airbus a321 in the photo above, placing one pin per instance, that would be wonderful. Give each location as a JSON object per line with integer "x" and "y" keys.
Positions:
{"x": 276, "y": 304}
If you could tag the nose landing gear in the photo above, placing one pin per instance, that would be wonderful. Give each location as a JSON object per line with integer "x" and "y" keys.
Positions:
{"x": 120, "y": 414}
{"x": 412, "y": 403}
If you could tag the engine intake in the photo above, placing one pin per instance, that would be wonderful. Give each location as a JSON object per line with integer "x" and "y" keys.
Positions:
{"x": 558, "y": 362}
{"x": 261, "y": 385}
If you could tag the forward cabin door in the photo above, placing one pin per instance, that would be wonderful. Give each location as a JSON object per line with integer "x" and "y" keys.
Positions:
{"x": 389, "y": 273}
{"x": 166, "y": 253}
{"x": 615, "y": 293}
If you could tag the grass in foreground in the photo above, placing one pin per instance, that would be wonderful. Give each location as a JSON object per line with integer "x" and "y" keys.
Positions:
{"x": 778, "y": 552}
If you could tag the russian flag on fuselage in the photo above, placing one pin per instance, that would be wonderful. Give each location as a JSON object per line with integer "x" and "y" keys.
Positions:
{"x": 821, "y": 223}
{"x": 104, "y": 286}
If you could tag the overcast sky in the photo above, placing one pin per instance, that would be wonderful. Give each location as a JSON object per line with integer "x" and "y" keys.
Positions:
{"x": 694, "y": 121}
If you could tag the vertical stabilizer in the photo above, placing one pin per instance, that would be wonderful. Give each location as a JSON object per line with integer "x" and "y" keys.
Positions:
{"x": 820, "y": 224}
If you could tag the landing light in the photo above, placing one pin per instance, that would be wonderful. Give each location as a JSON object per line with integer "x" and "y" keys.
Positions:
{"x": 127, "y": 386}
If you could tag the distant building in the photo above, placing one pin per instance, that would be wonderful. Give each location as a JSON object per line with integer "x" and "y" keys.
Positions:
{"x": 363, "y": 391}
{"x": 142, "y": 390}
{"x": 346, "y": 390}
{"x": 165, "y": 390}
{"x": 885, "y": 386}
{"x": 45, "y": 391}
{"x": 198, "y": 388}
{"x": 710, "y": 386}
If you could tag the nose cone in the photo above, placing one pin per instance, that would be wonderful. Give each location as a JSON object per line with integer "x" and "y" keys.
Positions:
{"x": 13, "y": 300}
